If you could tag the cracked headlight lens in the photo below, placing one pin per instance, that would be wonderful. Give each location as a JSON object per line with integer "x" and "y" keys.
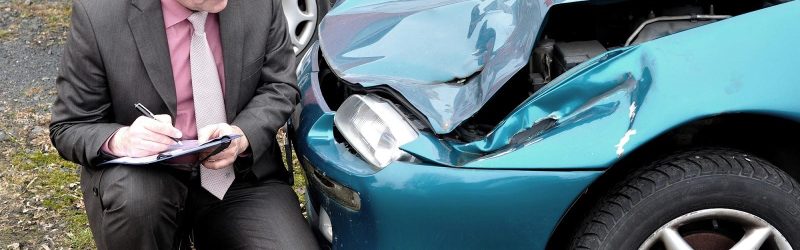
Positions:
{"x": 374, "y": 128}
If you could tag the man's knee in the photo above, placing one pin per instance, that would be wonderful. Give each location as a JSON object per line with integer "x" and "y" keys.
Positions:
{"x": 264, "y": 216}
{"x": 136, "y": 206}
{"x": 140, "y": 192}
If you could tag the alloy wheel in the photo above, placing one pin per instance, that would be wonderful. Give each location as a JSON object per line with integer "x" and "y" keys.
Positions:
{"x": 716, "y": 228}
{"x": 301, "y": 17}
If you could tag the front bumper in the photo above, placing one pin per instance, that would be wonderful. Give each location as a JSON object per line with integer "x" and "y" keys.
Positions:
{"x": 413, "y": 206}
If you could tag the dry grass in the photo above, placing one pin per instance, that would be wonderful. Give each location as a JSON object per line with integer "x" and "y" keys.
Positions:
{"x": 53, "y": 207}
{"x": 41, "y": 197}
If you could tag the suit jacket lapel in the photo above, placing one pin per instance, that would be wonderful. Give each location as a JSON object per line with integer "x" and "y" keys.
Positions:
{"x": 232, "y": 35}
{"x": 147, "y": 25}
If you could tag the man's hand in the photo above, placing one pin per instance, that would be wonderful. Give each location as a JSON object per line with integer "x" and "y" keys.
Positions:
{"x": 227, "y": 156}
{"x": 144, "y": 137}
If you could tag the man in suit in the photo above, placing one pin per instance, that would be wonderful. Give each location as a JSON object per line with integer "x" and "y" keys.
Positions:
{"x": 217, "y": 67}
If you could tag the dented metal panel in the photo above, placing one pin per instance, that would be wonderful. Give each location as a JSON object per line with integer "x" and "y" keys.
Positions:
{"x": 609, "y": 106}
{"x": 446, "y": 57}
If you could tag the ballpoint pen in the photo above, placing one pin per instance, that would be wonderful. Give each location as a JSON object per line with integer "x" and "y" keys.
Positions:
{"x": 146, "y": 112}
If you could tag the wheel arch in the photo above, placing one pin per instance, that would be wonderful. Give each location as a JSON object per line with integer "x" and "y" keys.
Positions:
{"x": 772, "y": 138}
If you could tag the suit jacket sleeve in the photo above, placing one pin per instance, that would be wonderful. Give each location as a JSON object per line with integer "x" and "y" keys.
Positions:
{"x": 275, "y": 97}
{"x": 82, "y": 117}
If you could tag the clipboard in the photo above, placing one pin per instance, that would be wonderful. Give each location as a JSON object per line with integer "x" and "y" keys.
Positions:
{"x": 176, "y": 150}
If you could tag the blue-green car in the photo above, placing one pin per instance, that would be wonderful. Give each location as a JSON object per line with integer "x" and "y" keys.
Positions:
{"x": 553, "y": 124}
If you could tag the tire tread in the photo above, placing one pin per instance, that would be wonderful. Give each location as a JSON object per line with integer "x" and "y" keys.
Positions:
{"x": 647, "y": 181}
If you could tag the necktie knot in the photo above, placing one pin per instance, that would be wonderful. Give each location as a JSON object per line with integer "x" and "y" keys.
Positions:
{"x": 198, "y": 20}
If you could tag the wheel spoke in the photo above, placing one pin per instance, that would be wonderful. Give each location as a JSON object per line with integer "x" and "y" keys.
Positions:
{"x": 310, "y": 14}
{"x": 780, "y": 241}
{"x": 291, "y": 9}
{"x": 673, "y": 240}
{"x": 753, "y": 239}
{"x": 295, "y": 17}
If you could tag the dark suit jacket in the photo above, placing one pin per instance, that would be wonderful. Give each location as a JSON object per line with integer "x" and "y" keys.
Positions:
{"x": 117, "y": 55}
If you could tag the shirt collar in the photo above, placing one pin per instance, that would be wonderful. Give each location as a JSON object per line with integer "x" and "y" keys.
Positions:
{"x": 174, "y": 12}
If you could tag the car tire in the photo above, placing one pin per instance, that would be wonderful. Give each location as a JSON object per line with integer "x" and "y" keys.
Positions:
{"x": 302, "y": 19}
{"x": 710, "y": 198}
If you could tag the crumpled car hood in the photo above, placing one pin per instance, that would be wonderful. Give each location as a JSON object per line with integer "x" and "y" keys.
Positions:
{"x": 446, "y": 57}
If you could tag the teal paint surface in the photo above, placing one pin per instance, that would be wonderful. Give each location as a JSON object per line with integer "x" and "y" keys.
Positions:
{"x": 421, "y": 206}
{"x": 437, "y": 207}
{"x": 496, "y": 194}
{"x": 609, "y": 106}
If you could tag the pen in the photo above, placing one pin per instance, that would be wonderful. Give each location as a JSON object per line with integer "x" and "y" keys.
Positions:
{"x": 146, "y": 112}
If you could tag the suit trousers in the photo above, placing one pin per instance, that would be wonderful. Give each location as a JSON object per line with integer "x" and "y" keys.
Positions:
{"x": 157, "y": 207}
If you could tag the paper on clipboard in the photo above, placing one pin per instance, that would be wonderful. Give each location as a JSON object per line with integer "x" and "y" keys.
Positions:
{"x": 176, "y": 150}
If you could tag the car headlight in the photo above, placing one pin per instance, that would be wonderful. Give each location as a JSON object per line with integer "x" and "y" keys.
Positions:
{"x": 374, "y": 128}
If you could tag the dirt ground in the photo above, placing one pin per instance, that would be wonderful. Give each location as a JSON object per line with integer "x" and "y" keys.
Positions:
{"x": 40, "y": 204}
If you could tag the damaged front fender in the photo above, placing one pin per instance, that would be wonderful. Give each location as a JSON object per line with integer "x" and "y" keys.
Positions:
{"x": 619, "y": 101}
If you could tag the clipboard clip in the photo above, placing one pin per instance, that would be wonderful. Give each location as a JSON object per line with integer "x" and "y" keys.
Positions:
{"x": 225, "y": 142}
{"x": 163, "y": 156}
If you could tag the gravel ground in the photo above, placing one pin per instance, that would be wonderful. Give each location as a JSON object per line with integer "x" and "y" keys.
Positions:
{"x": 29, "y": 62}
{"x": 28, "y": 73}
{"x": 40, "y": 204}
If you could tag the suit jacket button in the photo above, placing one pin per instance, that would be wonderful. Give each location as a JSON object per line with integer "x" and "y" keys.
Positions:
{"x": 94, "y": 191}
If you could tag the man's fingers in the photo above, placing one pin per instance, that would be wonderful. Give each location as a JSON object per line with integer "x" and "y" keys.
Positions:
{"x": 222, "y": 159}
{"x": 134, "y": 152}
{"x": 163, "y": 118}
{"x": 213, "y": 131}
{"x": 147, "y": 135}
{"x": 157, "y": 138}
{"x": 227, "y": 153}
{"x": 207, "y": 132}
{"x": 217, "y": 164}
{"x": 141, "y": 148}
{"x": 161, "y": 128}
{"x": 151, "y": 147}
